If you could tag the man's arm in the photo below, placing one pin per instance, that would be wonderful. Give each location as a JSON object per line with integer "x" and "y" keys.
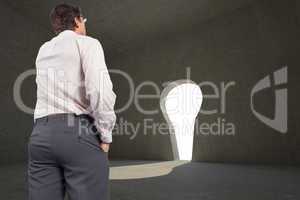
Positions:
{"x": 99, "y": 89}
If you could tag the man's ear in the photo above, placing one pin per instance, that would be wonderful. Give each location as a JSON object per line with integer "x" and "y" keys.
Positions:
{"x": 77, "y": 21}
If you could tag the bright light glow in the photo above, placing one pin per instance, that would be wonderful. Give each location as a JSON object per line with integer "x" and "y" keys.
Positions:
{"x": 129, "y": 170}
{"x": 181, "y": 106}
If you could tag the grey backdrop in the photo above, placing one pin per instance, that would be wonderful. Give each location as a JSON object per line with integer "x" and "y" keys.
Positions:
{"x": 239, "y": 41}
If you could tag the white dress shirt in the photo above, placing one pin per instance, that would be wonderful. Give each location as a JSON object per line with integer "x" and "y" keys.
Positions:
{"x": 72, "y": 77}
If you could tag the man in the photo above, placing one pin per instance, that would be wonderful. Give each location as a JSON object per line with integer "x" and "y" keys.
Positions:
{"x": 74, "y": 114}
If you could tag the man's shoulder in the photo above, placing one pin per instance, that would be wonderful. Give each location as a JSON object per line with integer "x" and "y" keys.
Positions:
{"x": 44, "y": 46}
{"x": 47, "y": 43}
{"x": 88, "y": 40}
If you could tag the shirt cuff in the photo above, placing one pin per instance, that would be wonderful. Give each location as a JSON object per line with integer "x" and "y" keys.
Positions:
{"x": 106, "y": 137}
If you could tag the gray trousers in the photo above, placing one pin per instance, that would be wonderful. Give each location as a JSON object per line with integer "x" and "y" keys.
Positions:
{"x": 65, "y": 158}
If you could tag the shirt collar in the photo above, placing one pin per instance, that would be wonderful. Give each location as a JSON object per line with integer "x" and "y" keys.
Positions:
{"x": 67, "y": 32}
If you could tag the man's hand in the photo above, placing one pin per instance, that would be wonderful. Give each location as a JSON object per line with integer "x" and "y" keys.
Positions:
{"x": 104, "y": 147}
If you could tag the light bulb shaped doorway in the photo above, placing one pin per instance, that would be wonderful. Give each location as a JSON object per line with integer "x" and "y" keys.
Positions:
{"x": 180, "y": 103}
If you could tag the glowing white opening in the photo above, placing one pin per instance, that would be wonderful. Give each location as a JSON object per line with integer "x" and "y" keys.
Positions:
{"x": 181, "y": 106}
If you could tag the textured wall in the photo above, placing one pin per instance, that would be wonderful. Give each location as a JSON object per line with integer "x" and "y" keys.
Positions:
{"x": 238, "y": 42}
{"x": 237, "y": 48}
{"x": 20, "y": 41}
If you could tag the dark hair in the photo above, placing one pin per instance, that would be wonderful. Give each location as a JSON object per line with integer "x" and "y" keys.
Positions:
{"x": 62, "y": 17}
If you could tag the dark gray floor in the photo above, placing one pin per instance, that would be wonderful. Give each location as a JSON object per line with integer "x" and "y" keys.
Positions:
{"x": 177, "y": 180}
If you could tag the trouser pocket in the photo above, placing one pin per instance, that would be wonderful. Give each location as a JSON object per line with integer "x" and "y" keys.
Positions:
{"x": 88, "y": 134}
{"x": 91, "y": 140}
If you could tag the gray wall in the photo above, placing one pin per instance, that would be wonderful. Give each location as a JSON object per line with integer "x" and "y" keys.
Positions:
{"x": 241, "y": 46}
{"x": 239, "y": 41}
{"x": 20, "y": 41}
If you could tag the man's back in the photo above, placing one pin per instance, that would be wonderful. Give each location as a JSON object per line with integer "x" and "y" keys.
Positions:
{"x": 60, "y": 79}
{"x": 72, "y": 77}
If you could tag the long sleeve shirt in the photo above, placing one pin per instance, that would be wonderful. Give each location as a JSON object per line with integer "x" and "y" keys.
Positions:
{"x": 72, "y": 77}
